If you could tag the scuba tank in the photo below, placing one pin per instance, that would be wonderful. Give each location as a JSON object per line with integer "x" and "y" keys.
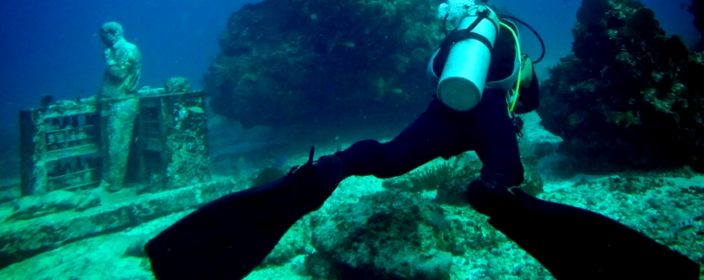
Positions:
{"x": 464, "y": 56}
{"x": 461, "y": 84}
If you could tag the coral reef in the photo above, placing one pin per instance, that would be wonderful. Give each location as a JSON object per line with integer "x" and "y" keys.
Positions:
{"x": 628, "y": 96}
{"x": 315, "y": 62}
{"x": 449, "y": 178}
{"x": 668, "y": 209}
{"x": 366, "y": 244}
{"x": 416, "y": 227}
{"x": 366, "y": 231}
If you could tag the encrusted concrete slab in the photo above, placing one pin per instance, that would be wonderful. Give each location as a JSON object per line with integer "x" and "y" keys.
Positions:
{"x": 25, "y": 238}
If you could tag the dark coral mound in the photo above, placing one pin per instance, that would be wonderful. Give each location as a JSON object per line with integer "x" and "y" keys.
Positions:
{"x": 697, "y": 10}
{"x": 628, "y": 96}
{"x": 319, "y": 62}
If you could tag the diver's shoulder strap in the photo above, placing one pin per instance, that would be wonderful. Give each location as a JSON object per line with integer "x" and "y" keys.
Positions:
{"x": 522, "y": 75}
{"x": 508, "y": 82}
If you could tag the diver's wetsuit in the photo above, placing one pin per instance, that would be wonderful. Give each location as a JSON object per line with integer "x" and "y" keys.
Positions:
{"x": 442, "y": 132}
{"x": 227, "y": 238}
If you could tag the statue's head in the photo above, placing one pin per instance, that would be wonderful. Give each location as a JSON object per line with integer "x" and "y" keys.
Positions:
{"x": 111, "y": 32}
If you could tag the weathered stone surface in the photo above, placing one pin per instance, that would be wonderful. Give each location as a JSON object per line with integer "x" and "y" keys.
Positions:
{"x": 33, "y": 206}
{"x": 186, "y": 142}
{"x": 25, "y": 238}
{"x": 628, "y": 96}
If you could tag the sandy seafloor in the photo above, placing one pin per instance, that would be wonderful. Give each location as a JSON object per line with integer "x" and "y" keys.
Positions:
{"x": 655, "y": 211}
{"x": 107, "y": 257}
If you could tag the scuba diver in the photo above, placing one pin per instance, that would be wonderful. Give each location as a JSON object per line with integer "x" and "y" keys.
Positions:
{"x": 482, "y": 80}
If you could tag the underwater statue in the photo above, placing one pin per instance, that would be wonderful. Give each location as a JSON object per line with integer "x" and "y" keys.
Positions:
{"x": 118, "y": 102}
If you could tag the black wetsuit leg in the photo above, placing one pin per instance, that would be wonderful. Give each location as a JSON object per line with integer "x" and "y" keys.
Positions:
{"x": 497, "y": 143}
{"x": 435, "y": 133}
{"x": 442, "y": 132}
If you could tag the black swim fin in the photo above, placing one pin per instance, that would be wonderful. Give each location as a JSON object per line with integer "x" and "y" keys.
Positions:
{"x": 574, "y": 243}
{"x": 229, "y": 237}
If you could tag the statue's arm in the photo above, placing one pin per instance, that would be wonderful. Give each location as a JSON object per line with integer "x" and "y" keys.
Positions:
{"x": 120, "y": 64}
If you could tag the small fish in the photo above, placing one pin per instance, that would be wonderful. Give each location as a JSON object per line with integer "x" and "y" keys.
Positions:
{"x": 196, "y": 109}
{"x": 685, "y": 226}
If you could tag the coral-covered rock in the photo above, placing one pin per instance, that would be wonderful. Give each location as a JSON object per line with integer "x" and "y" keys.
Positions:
{"x": 313, "y": 62}
{"x": 177, "y": 84}
{"x": 628, "y": 96}
{"x": 389, "y": 235}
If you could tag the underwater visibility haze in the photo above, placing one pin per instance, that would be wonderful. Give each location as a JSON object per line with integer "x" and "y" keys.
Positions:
{"x": 122, "y": 118}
